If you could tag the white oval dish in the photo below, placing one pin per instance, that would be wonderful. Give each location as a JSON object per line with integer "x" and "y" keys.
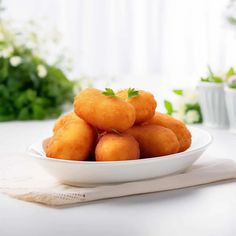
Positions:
{"x": 89, "y": 173}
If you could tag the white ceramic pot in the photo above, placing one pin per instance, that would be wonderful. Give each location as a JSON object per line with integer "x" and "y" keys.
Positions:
{"x": 212, "y": 102}
{"x": 230, "y": 98}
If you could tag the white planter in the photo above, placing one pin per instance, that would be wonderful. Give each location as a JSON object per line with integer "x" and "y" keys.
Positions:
{"x": 230, "y": 98}
{"x": 212, "y": 102}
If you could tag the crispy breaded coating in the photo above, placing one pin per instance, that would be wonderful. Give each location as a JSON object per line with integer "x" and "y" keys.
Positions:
{"x": 62, "y": 120}
{"x": 154, "y": 140}
{"x": 115, "y": 147}
{"x": 144, "y": 104}
{"x": 178, "y": 127}
{"x": 104, "y": 112}
{"x": 74, "y": 141}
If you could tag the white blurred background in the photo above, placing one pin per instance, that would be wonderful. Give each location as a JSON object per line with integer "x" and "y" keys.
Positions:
{"x": 144, "y": 42}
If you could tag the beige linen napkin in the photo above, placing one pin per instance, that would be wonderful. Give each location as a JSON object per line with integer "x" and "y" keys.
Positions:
{"x": 22, "y": 178}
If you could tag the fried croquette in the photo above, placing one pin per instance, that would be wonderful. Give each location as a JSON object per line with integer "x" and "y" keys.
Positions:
{"x": 178, "y": 127}
{"x": 104, "y": 112}
{"x": 154, "y": 140}
{"x": 62, "y": 120}
{"x": 74, "y": 141}
{"x": 144, "y": 104}
{"x": 115, "y": 147}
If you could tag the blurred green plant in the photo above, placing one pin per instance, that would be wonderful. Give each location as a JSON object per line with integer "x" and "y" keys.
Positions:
{"x": 187, "y": 107}
{"x": 30, "y": 88}
{"x": 231, "y": 78}
{"x": 212, "y": 78}
{"x": 230, "y": 12}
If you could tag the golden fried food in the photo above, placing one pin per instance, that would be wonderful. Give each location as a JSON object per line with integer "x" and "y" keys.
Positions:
{"x": 62, "y": 120}
{"x": 115, "y": 147}
{"x": 74, "y": 141}
{"x": 178, "y": 127}
{"x": 154, "y": 140}
{"x": 144, "y": 104}
{"x": 104, "y": 112}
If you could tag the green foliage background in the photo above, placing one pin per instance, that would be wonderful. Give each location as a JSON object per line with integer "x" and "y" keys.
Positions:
{"x": 23, "y": 94}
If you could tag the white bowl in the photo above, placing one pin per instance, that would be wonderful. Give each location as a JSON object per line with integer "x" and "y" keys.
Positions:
{"x": 230, "y": 98}
{"x": 85, "y": 173}
{"x": 212, "y": 102}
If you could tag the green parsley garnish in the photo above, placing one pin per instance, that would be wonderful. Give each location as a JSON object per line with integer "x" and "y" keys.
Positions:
{"x": 132, "y": 92}
{"x": 109, "y": 92}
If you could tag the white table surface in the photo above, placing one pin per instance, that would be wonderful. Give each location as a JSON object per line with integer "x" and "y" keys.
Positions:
{"x": 207, "y": 210}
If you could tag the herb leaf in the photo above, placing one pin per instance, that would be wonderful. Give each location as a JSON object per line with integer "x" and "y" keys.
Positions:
{"x": 132, "y": 92}
{"x": 109, "y": 92}
{"x": 204, "y": 79}
{"x": 178, "y": 91}
{"x": 230, "y": 72}
{"x": 217, "y": 79}
{"x": 212, "y": 77}
{"x": 233, "y": 85}
{"x": 169, "y": 107}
